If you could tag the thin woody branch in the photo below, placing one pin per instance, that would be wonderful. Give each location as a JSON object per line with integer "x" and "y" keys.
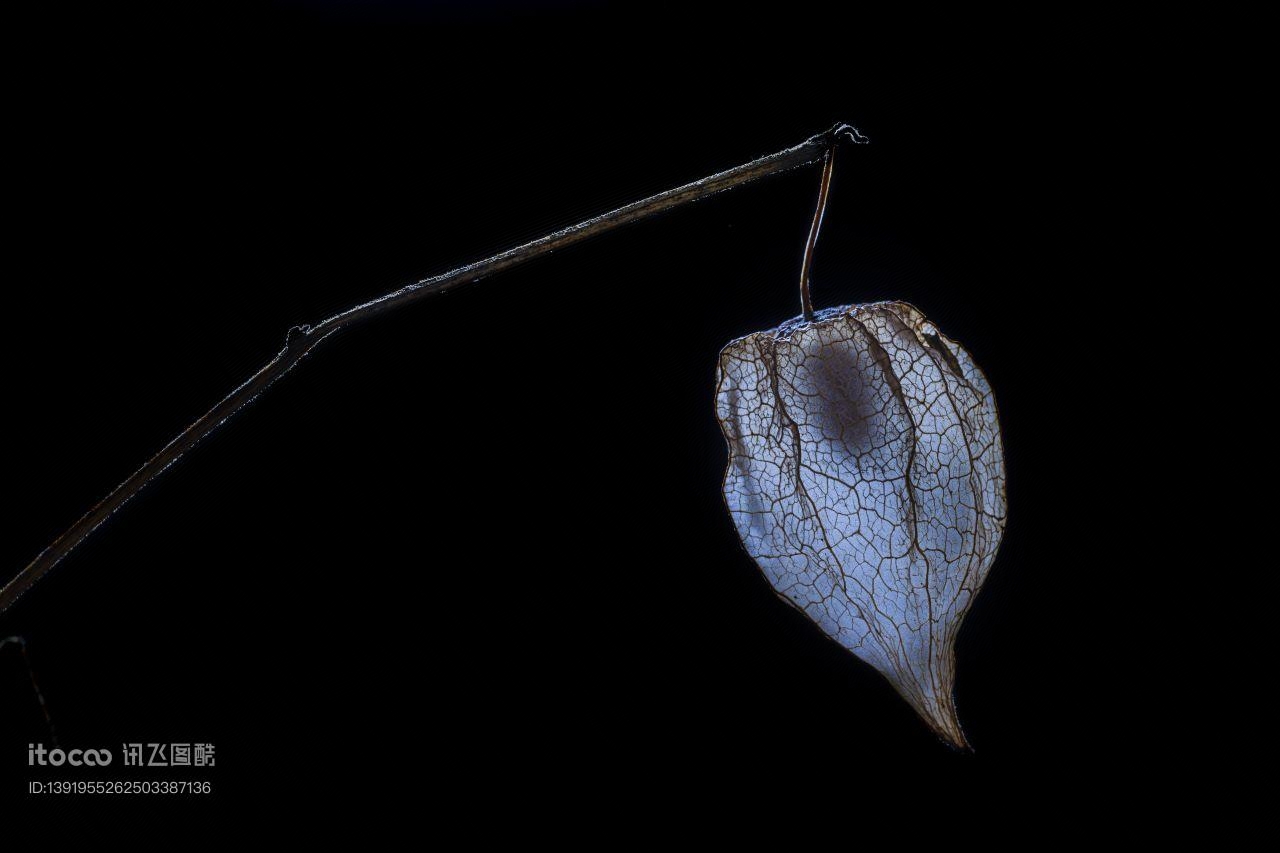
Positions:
{"x": 303, "y": 339}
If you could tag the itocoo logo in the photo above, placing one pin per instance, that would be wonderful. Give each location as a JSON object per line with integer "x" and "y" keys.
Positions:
{"x": 37, "y": 754}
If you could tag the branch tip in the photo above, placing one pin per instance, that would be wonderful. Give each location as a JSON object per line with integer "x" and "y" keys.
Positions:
{"x": 842, "y": 132}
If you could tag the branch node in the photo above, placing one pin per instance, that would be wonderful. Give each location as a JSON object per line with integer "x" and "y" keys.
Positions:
{"x": 296, "y": 336}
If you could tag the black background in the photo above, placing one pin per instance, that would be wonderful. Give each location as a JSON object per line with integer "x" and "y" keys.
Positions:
{"x": 483, "y": 539}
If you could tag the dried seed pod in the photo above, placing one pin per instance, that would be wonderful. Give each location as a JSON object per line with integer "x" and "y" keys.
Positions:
{"x": 866, "y": 479}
